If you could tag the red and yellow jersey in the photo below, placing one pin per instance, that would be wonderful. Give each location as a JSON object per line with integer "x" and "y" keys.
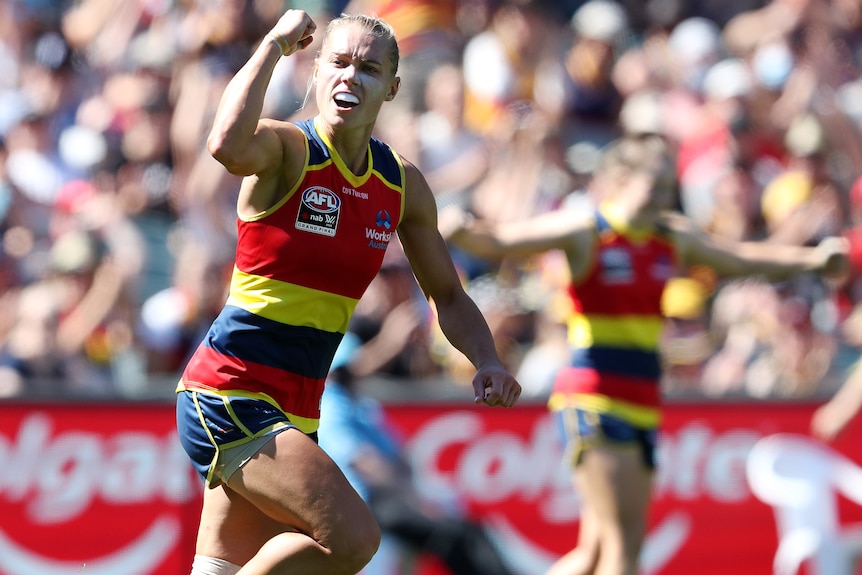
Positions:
{"x": 301, "y": 267}
{"x": 616, "y": 325}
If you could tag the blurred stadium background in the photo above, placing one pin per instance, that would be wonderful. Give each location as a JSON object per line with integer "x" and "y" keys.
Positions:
{"x": 117, "y": 234}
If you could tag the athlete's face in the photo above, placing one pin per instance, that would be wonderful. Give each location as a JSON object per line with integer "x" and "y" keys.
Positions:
{"x": 652, "y": 187}
{"x": 354, "y": 76}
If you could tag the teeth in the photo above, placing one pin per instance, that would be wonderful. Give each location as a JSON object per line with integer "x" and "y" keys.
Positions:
{"x": 347, "y": 98}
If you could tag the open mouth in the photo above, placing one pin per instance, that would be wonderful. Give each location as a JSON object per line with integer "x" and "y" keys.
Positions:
{"x": 345, "y": 100}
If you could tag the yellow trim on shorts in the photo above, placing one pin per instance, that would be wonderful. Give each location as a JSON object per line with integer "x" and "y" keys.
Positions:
{"x": 306, "y": 425}
{"x": 637, "y": 415}
{"x": 212, "y": 464}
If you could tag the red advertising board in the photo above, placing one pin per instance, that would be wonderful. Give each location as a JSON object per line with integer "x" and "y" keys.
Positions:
{"x": 94, "y": 489}
{"x": 704, "y": 518}
{"x": 105, "y": 489}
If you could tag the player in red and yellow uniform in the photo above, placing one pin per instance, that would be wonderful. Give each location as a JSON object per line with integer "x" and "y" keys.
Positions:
{"x": 616, "y": 326}
{"x": 317, "y": 208}
{"x": 607, "y": 397}
{"x": 285, "y": 316}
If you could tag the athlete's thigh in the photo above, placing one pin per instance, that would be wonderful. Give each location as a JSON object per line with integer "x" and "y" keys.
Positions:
{"x": 294, "y": 482}
{"x": 617, "y": 484}
{"x": 613, "y": 462}
{"x": 588, "y": 522}
{"x": 233, "y": 528}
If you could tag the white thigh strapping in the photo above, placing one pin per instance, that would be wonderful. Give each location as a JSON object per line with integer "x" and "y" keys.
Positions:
{"x": 212, "y": 566}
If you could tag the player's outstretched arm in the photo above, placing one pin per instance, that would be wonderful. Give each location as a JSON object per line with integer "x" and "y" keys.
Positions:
{"x": 555, "y": 230}
{"x": 774, "y": 262}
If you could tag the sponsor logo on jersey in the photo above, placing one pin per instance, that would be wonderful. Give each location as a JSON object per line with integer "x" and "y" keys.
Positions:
{"x": 350, "y": 192}
{"x": 379, "y": 236}
{"x": 616, "y": 265}
{"x": 319, "y": 211}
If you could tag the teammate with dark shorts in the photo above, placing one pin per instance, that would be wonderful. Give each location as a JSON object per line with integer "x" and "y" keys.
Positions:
{"x": 608, "y": 399}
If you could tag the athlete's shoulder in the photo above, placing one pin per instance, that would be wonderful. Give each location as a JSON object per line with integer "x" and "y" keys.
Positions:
{"x": 307, "y": 126}
{"x": 293, "y": 129}
{"x": 387, "y": 162}
{"x": 306, "y": 135}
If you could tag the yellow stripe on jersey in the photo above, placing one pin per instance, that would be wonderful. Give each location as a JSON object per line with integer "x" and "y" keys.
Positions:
{"x": 630, "y": 332}
{"x": 637, "y": 415}
{"x": 289, "y": 303}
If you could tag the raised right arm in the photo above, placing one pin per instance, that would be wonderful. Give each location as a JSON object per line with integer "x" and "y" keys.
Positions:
{"x": 239, "y": 139}
{"x": 564, "y": 230}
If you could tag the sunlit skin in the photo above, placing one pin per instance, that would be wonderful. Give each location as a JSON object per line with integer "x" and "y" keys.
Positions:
{"x": 353, "y": 61}
{"x": 289, "y": 509}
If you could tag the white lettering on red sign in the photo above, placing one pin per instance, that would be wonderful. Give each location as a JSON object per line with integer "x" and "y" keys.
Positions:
{"x": 494, "y": 466}
{"x": 59, "y": 476}
{"x": 695, "y": 463}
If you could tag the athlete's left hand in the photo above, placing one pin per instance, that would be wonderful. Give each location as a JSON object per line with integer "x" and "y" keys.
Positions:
{"x": 495, "y": 386}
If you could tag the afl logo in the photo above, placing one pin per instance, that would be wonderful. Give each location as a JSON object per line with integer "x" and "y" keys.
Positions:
{"x": 321, "y": 200}
{"x": 319, "y": 211}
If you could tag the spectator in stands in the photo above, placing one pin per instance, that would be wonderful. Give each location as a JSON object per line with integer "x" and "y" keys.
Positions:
{"x": 578, "y": 88}
{"x": 394, "y": 306}
{"x": 501, "y": 61}
{"x": 455, "y": 158}
{"x": 72, "y": 324}
{"x": 147, "y": 99}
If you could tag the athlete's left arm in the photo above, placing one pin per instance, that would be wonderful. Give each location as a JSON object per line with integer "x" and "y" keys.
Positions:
{"x": 772, "y": 261}
{"x": 459, "y": 317}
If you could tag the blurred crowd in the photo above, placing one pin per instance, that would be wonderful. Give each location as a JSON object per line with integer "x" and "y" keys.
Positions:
{"x": 118, "y": 227}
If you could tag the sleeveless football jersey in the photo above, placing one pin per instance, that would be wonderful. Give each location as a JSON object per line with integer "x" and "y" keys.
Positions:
{"x": 301, "y": 267}
{"x": 615, "y": 327}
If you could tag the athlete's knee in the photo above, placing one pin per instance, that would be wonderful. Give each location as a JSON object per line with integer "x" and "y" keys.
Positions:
{"x": 345, "y": 551}
{"x": 354, "y": 550}
{"x": 589, "y": 555}
{"x": 616, "y": 560}
{"x": 633, "y": 538}
{"x": 351, "y": 545}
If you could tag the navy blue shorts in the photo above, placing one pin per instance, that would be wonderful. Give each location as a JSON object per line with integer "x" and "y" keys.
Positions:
{"x": 583, "y": 429}
{"x": 220, "y": 433}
